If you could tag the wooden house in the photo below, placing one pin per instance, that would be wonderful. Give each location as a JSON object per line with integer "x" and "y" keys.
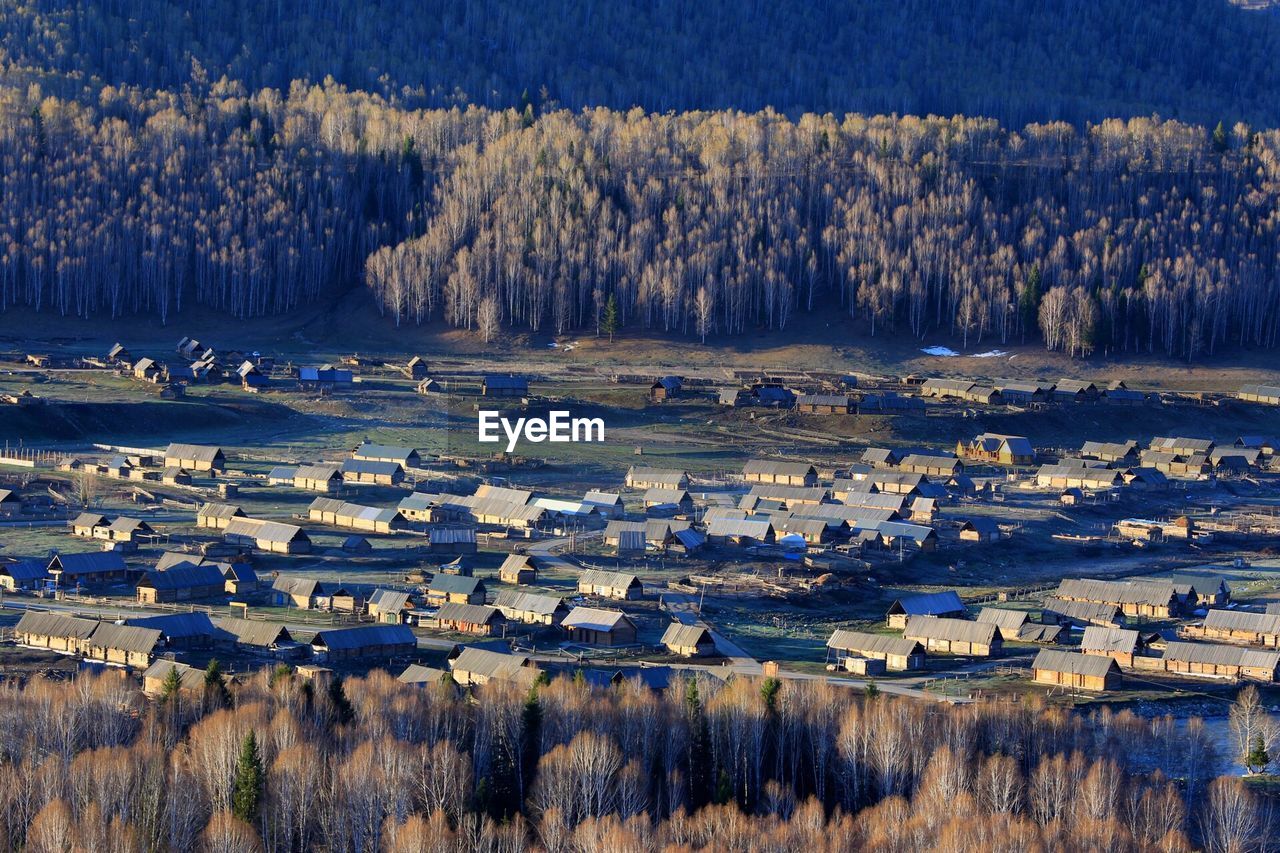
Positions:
{"x": 1118, "y": 643}
{"x": 898, "y": 654}
{"x": 944, "y": 604}
{"x": 457, "y": 589}
{"x": 772, "y": 473}
{"x": 122, "y": 644}
{"x": 476, "y": 666}
{"x": 217, "y": 516}
{"x": 1000, "y": 449}
{"x": 531, "y": 608}
{"x": 644, "y": 478}
{"x": 1075, "y": 671}
{"x": 372, "y": 472}
{"x": 389, "y": 606}
{"x": 824, "y": 404}
{"x": 517, "y": 569}
{"x": 364, "y": 641}
{"x": 478, "y": 619}
{"x": 273, "y": 536}
{"x": 1234, "y": 662}
{"x": 1152, "y": 599}
{"x": 405, "y": 457}
{"x": 182, "y": 582}
{"x": 318, "y": 478}
{"x": 1058, "y": 611}
{"x": 90, "y": 569}
{"x": 195, "y": 457}
{"x": 416, "y": 369}
{"x": 980, "y": 530}
{"x": 617, "y": 585}
{"x": 594, "y": 626}
{"x": 954, "y": 636}
{"x": 54, "y": 631}
{"x": 1238, "y": 626}
{"x": 688, "y": 640}
{"x": 504, "y": 386}
{"x": 665, "y": 388}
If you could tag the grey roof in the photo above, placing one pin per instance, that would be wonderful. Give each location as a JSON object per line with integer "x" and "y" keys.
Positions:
{"x": 1240, "y": 620}
{"x": 1103, "y": 639}
{"x": 184, "y": 576}
{"x": 317, "y": 472}
{"x": 491, "y": 664}
{"x": 672, "y": 477}
{"x": 1093, "y": 666}
{"x": 657, "y": 496}
{"x": 364, "y": 636}
{"x": 309, "y": 587}
{"x": 1260, "y": 390}
{"x": 519, "y": 497}
{"x": 839, "y": 400}
{"x": 594, "y": 619}
{"x": 178, "y": 625}
{"x": 957, "y": 630}
{"x": 1006, "y": 620}
{"x": 678, "y": 634}
{"x": 929, "y": 604}
{"x": 189, "y": 677}
{"x": 47, "y": 624}
{"x": 810, "y": 494}
{"x": 1035, "y": 633}
{"x": 924, "y": 460}
{"x": 371, "y": 466}
{"x": 778, "y": 469}
{"x": 263, "y": 531}
{"x": 1086, "y": 611}
{"x": 690, "y": 538}
{"x": 527, "y": 602}
{"x": 874, "y": 500}
{"x": 857, "y": 641}
{"x": 124, "y": 638}
{"x": 383, "y": 451}
{"x": 1204, "y": 584}
{"x": 1220, "y": 655}
{"x": 476, "y": 614}
{"x": 615, "y": 580}
{"x": 1109, "y": 448}
{"x": 416, "y": 673}
{"x": 196, "y": 452}
{"x": 24, "y": 570}
{"x": 455, "y": 584}
{"x": 418, "y": 502}
{"x": 600, "y": 498}
{"x": 389, "y": 600}
{"x": 251, "y": 632}
{"x": 515, "y": 563}
{"x": 746, "y": 527}
{"x": 1157, "y": 593}
{"x": 89, "y": 519}
{"x": 1179, "y": 444}
{"x": 89, "y": 562}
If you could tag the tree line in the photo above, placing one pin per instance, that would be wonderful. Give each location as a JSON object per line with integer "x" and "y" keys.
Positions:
{"x": 283, "y": 764}
{"x": 1018, "y": 61}
{"x": 1127, "y": 236}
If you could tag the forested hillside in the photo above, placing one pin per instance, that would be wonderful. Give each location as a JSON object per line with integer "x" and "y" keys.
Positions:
{"x": 1015, "y": 60}
{"x": 157, "y": 155}
{"x": 1138, "y": 236}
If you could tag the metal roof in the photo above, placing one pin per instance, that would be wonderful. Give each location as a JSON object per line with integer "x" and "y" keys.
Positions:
{"x": 1005, "y": 620}
{"x": 1118, "y": 592}
{"x": 195, "y": 452}
{"x": 519, "y": 497}
{"x": 857, "y": 641}
{"x": 613, "y": 580}
{"x": 177, "y": 624}
{"x": 766, "y": 467}
{"x": 491, "y": 664}
{"x": 388, "y": 600}
{"x": 455, "y": 584}
{"x": 929, "y": 604}
{"x": 474, "y": 614}
{"x": 365, "y": 635}
{"x": 317, "y": 472}
{"x": 124, "y": 638}
{"x": 88, "y": 563}
{"x": 678, "y": 634}
{"x": 657, "y": 496}
{"x": 1092, "y": 666}
{"x": 1220, "y": 655}
{"x": 594, "y": 619}
{"x": 1103, "y": 639}
{"x": 1086, "y": 611}
{"x": 956, "y": 630}
{"x": 744, "y": 527}
{"x": 527, "y": 602}
{"x": 1240, "y": 620}
{"x": 251, "y": 632}
{"x": 46, "y": 624}
{"x": 416, "y": 673}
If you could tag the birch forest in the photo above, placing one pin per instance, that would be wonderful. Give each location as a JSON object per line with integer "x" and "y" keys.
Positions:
{"x": 715, "y": 179}
{"x": 371, "y": 764}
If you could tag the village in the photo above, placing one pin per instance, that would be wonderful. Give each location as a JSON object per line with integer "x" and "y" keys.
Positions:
{"x": 736, "y": 525}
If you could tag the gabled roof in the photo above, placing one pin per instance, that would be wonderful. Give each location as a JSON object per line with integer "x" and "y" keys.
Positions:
{"x": 389, "y": 600}
{"x": 955, "y": 630}
{"x": 765, "y": 467}
{"x": 178, "y": 625}
{"x": 24, "y": 570}
{"x": 494, "y": 665}
{"x": 47, "y": 624}
{"x": 317, "y": 472}
{"x": 196, "y": 452}
{"x": 1118, "y": 592}
{"x": 1092, "y": 666}
{"x": 365, "y": 636}
{"x": 528, "y": 602}
{"x": 183, "y": 576}
{"x": 678, "y": 634}
{"x": 475, "y": 614}
{"x": 928, "y": 604}
{"x": 1240, "y": 620}
{"x": 857, "y": 641}
{"x": 416, "y": 673}
{"x": 251, "y": 632}
{"x": 1008, "y": 621}
{"x": 1110, "y": 640}
{"x": 89, "y": 519}
{"x": 455, "y": 584}
{"x": 371, "y": 466}
{"x": 88, "y": 563}
{"x": 1220, "y": 655}
{"x": 124, "y": 638}
{"x": 595, "y": 619}
{"x": 614, "y": 580}
{"x": 403, "y": 455}
{"x": 310, "y": 587}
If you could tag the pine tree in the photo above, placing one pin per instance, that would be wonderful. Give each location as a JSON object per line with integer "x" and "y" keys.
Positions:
{"x": 1029, "y": 300}
{"x": 248, "y": 783}
{"x": 342, "y": 705}
{"x": 1258, "y": 758}
{"x": 609, "y": 323}
{"x": 1220, "y": 138}
{"x": 215, "y": 684}
{"x": 171, "y": 685}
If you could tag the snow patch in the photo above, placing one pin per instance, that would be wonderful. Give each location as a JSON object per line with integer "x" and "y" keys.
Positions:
{"x": 943, "y": 352}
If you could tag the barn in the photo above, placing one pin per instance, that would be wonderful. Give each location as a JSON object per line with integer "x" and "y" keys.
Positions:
{"x": 945, "y": 604}
{"x": 195, "y": 457}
